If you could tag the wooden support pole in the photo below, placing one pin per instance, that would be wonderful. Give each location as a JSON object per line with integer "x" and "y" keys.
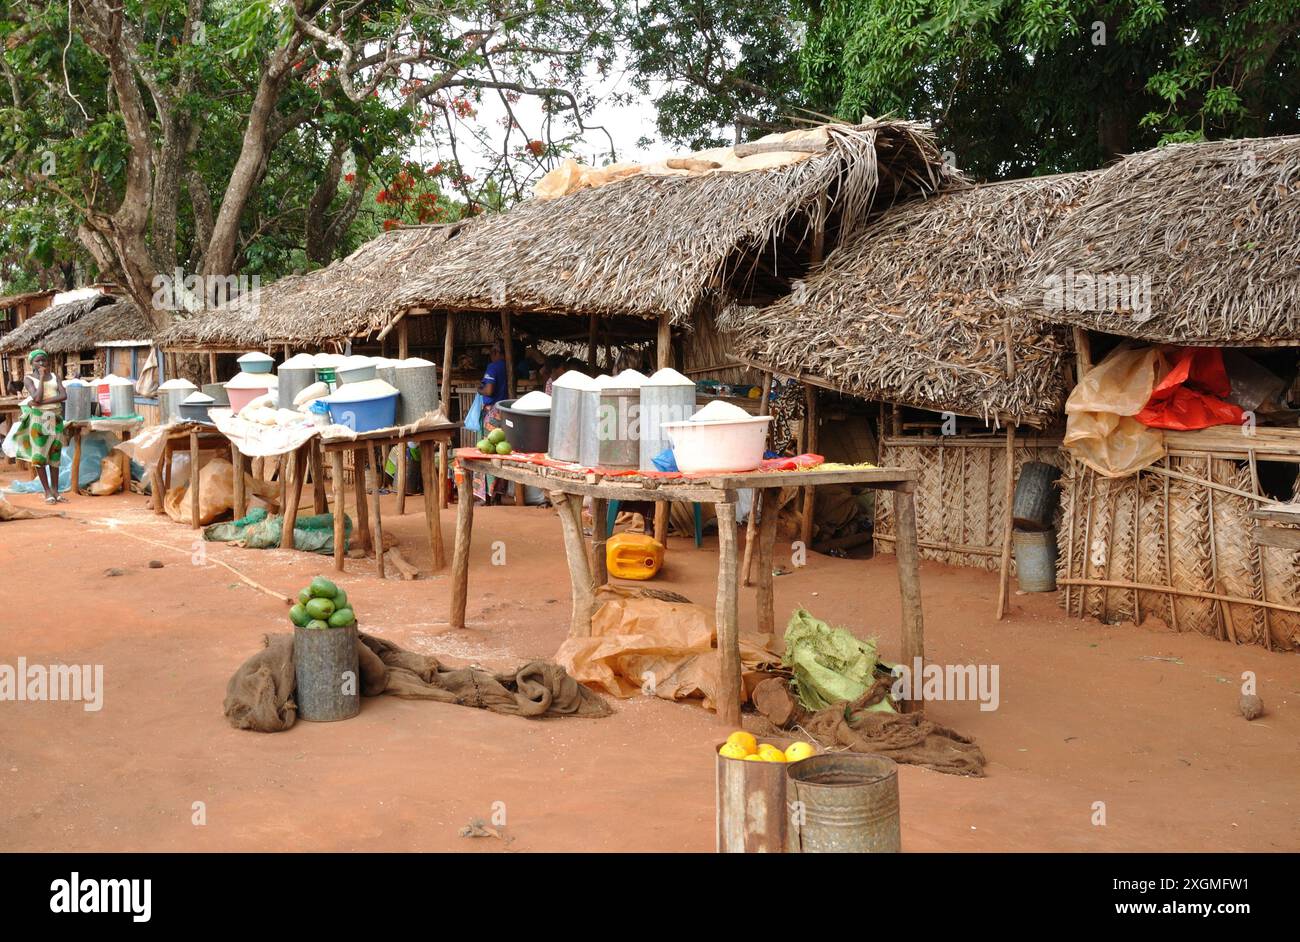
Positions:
{"x": 569, "y": 509}
{"x": 592, "y": 324}
{"x": 448, "y": 351}
{"x": 194, "y": 480}
{"x": 403, "y": 339}
{"x": 443, "y": 449}
{"x": 599, "y": 515}
{"x": 340, "y": 534}
{"x": 76, "y": 461}
{"x": 908, "y": 558}
{"x": 751, "y": 526}
{"x": 508, "y": 348}
{"x": 294, "y": 471}
{"x": 809, "y": 493}
{"x": 320, "y": 500}
{"x": 432, "y": 517}
{"x": 362, "y": 527}
{"x": 771, "y": 508}
{"x": 212, "y": 367}
{"x": 400, "y": 474}
{"x": 460, "y": 552}
{"x": 241, "y": 495}
{"x": 1004, "y": 573}
{"x": 372, "y": 454}
{"x": 729, "y": 684}
{"x": 664, "y": 359}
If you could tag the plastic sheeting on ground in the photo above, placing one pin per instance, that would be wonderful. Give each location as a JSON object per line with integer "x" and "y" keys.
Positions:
{"x": 94, "y": 448}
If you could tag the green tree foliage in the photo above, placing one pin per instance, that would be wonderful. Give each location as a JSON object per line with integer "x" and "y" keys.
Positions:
{"x": 1017, "y": 87}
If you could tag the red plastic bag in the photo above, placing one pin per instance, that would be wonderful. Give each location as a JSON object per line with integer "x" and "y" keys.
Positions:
{"x": 1191, "y": 394}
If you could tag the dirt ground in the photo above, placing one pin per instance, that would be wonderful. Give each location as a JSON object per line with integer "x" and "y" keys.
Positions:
{"x": 1089, "y": 712}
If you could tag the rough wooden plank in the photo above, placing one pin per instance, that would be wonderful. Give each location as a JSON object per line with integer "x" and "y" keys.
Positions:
{"x": 582, "y": 584}
{"x": 599, "y": 512}
{"x": 362, "y": 528}
{"x": 729, "y": 684}
{"x": 432, "y": 517}
{"x": 377, "y": 520}
{"x": 1276, "y": 536}
{"x": 241, "y": 494}
{"x": 336, "y": 471}
{"x": 320, "y": 500}
{"x": 460, "y": 552}
{"x": 296, "y": 471}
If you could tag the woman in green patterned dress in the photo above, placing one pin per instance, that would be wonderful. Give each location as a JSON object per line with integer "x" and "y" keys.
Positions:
{"x": 40, "y": 429}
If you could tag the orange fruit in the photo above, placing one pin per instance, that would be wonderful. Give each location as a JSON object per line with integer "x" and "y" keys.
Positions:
{"x": 744, "y": 740}
{"x": 798, "y": 751}
{"x": 732, "y": 750}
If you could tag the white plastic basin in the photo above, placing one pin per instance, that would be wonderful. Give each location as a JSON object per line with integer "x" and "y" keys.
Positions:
{"x": 734, "y": 445}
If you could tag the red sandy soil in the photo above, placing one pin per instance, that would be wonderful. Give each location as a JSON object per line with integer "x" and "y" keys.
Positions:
{"x": 1083, "y": 716}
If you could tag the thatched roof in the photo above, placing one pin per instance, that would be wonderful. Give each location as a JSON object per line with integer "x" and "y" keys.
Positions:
{"x": 345, "y": 299}
{"x": 914, "y": 309}
{"x": 1208, "y": 234}
{"x": 10, "y": 300}
{"x": 651, "y": 244}
{"x": 108, "y": 323}
{"x": 31, "y": 332}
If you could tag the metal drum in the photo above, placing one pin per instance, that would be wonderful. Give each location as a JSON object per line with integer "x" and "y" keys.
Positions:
{"x": 588, "y": 410}
{"x": 618, "y": 421}
{"x": 564, "y": 442}
{"x": 121, "y": 397}
{"x": 170, "y": 396}
{"x": 843, "y": 802}
{"x": 667, "y": 396}
{"x": 296, "y": 374}
{"x": 322, "y": 659}
{"x": 417, "y": 381}
{"x": 1035, "y": 559}
{"x": 217, "y": 391}
{"x": 80, "y": 397}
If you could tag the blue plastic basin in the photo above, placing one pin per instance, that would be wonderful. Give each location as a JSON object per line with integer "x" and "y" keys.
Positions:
{"x": 366, "y": 415}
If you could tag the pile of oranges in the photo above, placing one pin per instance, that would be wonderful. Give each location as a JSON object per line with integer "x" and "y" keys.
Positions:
{"x": 743, "y": 745}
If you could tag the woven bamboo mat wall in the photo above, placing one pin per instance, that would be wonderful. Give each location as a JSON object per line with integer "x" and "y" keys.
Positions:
{"x": 1154, "y": 530}
{"x": 960, "y": 494}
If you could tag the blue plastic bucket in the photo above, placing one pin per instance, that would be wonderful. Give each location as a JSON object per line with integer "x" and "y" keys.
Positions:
{"x": 366, "y": 415}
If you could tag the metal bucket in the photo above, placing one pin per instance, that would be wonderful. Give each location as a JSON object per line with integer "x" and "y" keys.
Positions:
{"x": 121, "y": 399}
{"x": 588, "y": 442}
{"x": 843, "y": 802}
{"x": 659, "y": 404}
{"x": 1035, "y": 559}
{"x": 170, "y": 396}
{"x": 750, "y": 815}
{"x": 564, "y": 439}
{"x": 327, "y": 675}
{"x": 417, "y": 381}
{"x": 293, "y": 380}
{"x": 80, "y": 397}
{"x": 220, "y": 398}
{"x": 1036, "y": 496}
{"x": 618, "y": 427}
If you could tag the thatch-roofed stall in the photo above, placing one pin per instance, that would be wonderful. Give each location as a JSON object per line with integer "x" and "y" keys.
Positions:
{"x": 37, "y": 329}
{"x": 15, "y": 309}
{"x": 1191, "y": 244}
{"x": 916, "y": 310}
{"x": 112, "y": 338}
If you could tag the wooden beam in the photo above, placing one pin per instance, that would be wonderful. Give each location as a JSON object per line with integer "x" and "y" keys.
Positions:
{"x": 592, "y": 324}
{"x": 729, "y": 683}
{"x": 508, "y": 348}
{"x": 1004, "y": 576}
{"x": 460, "y": 551}
{"x": 751, "y": 527}
{"x": 403, "y": 339}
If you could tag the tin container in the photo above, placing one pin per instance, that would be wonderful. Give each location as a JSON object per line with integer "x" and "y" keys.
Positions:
{"x": 417, "y": 381}
{"x": 843, "y": 803}
{"x": 296, "y": 374}
{"x": 121, "y": 397}
{"x": 170, "y": 396}
{"x": 751, "y": 803}
{"x": 80, "y": 397}
{"x": 667, "y": 396}
{"x": 564, "y": 440}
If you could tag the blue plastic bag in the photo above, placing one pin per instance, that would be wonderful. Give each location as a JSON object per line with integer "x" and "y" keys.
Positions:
{"x": 665, "y": 460}
{"x": 474, "y": 417}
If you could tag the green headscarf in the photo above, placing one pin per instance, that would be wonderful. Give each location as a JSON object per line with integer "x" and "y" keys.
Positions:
{"x": 31, "y": 357}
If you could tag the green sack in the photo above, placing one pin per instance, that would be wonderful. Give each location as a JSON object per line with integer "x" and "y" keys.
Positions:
{"x": 258, "y": 530}
{"x": 830, "y": 665}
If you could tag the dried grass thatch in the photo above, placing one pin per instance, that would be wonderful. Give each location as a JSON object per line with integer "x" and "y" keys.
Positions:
{"x": 651, "y": 244}
{"x": 1211, "y": 233}
{"x": 345, "y": 299}
{"x": 108, "y": 323}
{"x": 914, "y": 309}
{"x": 33, "y": 331}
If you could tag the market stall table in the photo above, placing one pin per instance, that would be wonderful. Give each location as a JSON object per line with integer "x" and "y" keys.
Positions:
{"x": 197, "y": 437}
{"x": 566, "y": 488}
{"x": 123, "y": 427}
{"x": 368, "y": 449}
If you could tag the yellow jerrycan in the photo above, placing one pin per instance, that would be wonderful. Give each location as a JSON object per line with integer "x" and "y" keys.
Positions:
{"x": 633, "y": 556}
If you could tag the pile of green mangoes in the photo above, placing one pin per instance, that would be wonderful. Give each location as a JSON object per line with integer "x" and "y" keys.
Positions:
{"x": 322, "y": 605}
{"x": 495, "y": 443}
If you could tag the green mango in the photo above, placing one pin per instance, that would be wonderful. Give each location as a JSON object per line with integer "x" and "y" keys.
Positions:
{"x": 316, "y": 624}
{"x": 497, "y": 436}
{"x": 341, "y": 600}
{"x": 320, "y": 608}
{"x": 342, "y": 618}
{"x": 322, "y": 588}
{"x": 304, "y": 596}
{"x": 298, "y": 615}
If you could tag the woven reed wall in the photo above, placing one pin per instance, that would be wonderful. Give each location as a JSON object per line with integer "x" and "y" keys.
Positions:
{"x": 1154, "y": 530}
{"x": 960, "y": 494}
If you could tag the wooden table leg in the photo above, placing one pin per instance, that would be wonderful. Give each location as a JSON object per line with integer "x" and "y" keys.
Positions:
{"x": 294, "y": 471}
{"x": 156, "y": 485}
{"x": 661, "y": 522}
{"x": 432, "y": 517}
{"x": 194, "y": 480}
{"x": 729, "y": 685}
{"x": 599, "y": 516}
{"x": 401, "y": 478}
{"x": 376, "y": 463}
{"x": 319, "y": 497}
{"x": 241, "y": 494}
{"x": 76, "y": 462}
{"x": 362, "y": 523}
{"x": 569, "y": 508}
{"x": 770, "y": 499}
{"x": 460, "y": 552}
{"x": 442, "y": 475}
{"x": 168, "y": 455}
{"x": 909, "y": 582}
{"x": 124, "y": 464}
{"x": 340, "y": 535}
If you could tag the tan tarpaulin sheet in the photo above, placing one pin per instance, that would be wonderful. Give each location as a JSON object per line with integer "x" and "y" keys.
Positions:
{"x": 571, "y": 176}
{"x": 1099, "y": 427}
{"x": 648, "y": 646}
